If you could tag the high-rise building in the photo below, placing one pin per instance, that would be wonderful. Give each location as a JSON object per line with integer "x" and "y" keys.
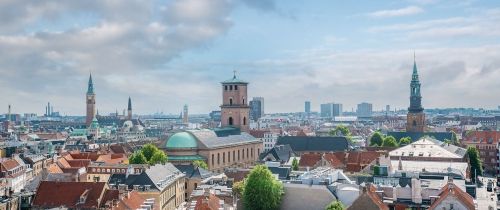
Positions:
{"x": 234, "y": 109}
{"x": 129, "y": 109}
{"x": 364, "y": 110}
{"x": 331, "y": 110}
{"x": 261, "y": 100}
{"x": 91, "y": 109}
{"x": 185, "y": 118}
{"x": 255, "y": 107}
{"x": 415, "y": 119}
{"x": 307, "y": 107}
{"x": 387, "y": 108}
{"x": 337, "y": 110}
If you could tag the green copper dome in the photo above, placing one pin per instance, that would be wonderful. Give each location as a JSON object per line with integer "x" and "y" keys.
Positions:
{"x": 181, "y": 140}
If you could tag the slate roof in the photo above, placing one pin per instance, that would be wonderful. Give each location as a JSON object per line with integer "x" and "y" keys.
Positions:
{"x": 283, "y": 172}
{"x": 314, "y": 143}
{"x": 281, "y": 153}
{"x": 415, "y": 136}
{"x": 210, "y": 139}
{"x": 67, "y": 194}
{"x": 301, "y": 196}
{"x": 152, "y": 176}
{"x": 193, "y": 172}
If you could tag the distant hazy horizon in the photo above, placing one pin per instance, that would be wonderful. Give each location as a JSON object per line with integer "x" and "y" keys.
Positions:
{"x": 167, "y": 53}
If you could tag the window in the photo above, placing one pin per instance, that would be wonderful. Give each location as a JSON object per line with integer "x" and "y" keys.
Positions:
{"x": 230, "y": 121}
{"x": 223, "y": 157}
{"x": 244, "y": 120}
{"x": 238, "y": 155}
{"x": 247, "y": 153}
{"x": 213, "y": 159}
{"x": 230, "y": 101}
{"x": 243, "y": 153}
{"x": 225, "y": 87}
{"x": 234, "y": 157}
{"x": 218, "y": 158}
{"x": 251, "y": 149}
{"x": 230, "y": 87}
{"x": 236, "y": 87}
{"x": 228, "y": 157}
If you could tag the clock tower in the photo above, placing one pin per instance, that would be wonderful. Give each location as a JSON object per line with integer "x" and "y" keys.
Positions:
{"x": 90, "y": 98}
{"x": 415, "y": 119}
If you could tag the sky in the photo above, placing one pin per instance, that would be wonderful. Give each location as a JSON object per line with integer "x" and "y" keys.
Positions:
{"x": 167, "y": 53}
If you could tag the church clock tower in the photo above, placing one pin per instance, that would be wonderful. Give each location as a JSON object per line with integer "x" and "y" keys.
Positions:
{"x": 234, "y": 109}
{"x": 415, "y": 120}
{"x": 90, "y": 102}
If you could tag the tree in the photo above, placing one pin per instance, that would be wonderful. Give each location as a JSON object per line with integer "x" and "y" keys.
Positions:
{"x": 149, "y": 150}
{"x": 295, "y": 164}
{"x": 239, "y": 187}
{"x": 377, "y": 139}
{"x": 149, "y": 154}
{"x": 390, "y": 141}
{"x": 200, "y": 163}
{"x": 342, "y": 130}
{"x": 405, "y": 141}
{"x": 158, "y": 157}
{"x": 454, "y": 138}
{"x": 137, "y": 158}
{"x": 262, "y": 191}
{"x": 335, "y": 205}
{"x": 474, "y": 161}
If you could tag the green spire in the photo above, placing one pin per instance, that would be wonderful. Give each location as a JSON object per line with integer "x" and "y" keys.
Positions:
{"x": 414, "y": 76}
{"x": 90, "y": 89}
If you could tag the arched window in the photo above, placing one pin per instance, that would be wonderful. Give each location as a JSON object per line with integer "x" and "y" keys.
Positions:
{"x": 414, "y": 123}
{"x": 230, "y": 101}
{"x": 218, "y": 158}
{"x": 228, "y": 157}
{"x": 223, "y": 157}
{"x": 213, "y": 159}
{"x": 243, "y": 101}
{"x": 230, "y": 121}
{"x": 244, "y": 120}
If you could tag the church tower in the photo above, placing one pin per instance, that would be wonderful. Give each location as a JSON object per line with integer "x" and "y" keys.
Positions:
{"x": 415, "y": 120}
{"x": 90, "y": 102}
{"x": 129, "y": 109}
{"x": 234, "y": 109}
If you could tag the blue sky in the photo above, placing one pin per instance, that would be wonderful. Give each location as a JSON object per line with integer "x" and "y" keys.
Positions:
{"x": 165, "y": 54}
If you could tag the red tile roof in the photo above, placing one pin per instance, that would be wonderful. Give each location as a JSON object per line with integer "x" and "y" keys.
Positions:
{"x": 8, "y": 164}
{"x": 451, "y": 189}
{"x": 309, "y": 160}
{"x": 258, "y": 133}
{"x": 207, "y": 203}
{"x": 52, "y": 194}
{"x": 482, "y": 137}
{"x": 132, "y": 201}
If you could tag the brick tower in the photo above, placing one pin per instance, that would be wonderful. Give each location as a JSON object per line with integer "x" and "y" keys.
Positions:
{"x": 415, "y": 119}
{"x": 90, "y": 102}
{"x": 235, "y": 111}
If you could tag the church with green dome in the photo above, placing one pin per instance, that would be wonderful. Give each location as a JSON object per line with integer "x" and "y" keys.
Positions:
{"x": 219, "y": 148}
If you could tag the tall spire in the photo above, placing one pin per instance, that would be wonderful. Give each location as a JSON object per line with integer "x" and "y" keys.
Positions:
{"x": 234, "y": 74}
{"x": 129, "y": 104}
{"x": 415, "y": 97}
{"x": 90, "y": 89}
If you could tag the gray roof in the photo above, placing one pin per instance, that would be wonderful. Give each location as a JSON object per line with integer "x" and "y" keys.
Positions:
{"x": 192, "y": 171}
{"x": 301, "y": 196}
{"x": 210, "y": 139}
{"x": 163, "y": 174}
{"x": 452, "y": 148}
{"x": 314, "y": 143}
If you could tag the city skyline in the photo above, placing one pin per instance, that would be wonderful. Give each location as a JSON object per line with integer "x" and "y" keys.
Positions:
{"x": 171, "y": 53}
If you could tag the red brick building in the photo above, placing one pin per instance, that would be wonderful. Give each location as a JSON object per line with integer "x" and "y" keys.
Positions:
{"x": 487, "y": 144}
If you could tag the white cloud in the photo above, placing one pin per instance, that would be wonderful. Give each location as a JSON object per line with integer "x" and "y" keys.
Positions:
{"x": 410, "y": 10}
